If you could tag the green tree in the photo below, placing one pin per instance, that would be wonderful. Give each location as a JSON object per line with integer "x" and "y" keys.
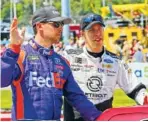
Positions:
{"x": 78, "y": 8}
{"x": 5, "y": 10}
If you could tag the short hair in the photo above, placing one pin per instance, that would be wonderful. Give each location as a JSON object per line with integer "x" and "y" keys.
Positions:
{"x": 34, "y": 29}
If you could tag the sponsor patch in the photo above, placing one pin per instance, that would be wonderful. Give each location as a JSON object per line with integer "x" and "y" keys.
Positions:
{"x": 79, "y": 60}
{"x": 109, "y": 72}
{"x": 101, "y": 70}
{"x": 40, "y": 81}
{"x": 75, "y": 67}
{"x": 59, "y": 67}
{"x": 87, "y": 68}
{"x": 108, "y": 61}
{"x": 129, "y": 71}
{"x": 95, "y": 96}
{"x": 110, "y": 75}
{"x": 106, "y": 65}
{"x": 33, "y": 57}
{"x": 94, "y": 83}
{"x": 76, "y": 52}
{"x": 57, "y": 61}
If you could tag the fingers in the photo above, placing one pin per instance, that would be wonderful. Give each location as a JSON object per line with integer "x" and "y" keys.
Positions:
{"x": 14, "y": 23}
{"x": 23, "y": 32}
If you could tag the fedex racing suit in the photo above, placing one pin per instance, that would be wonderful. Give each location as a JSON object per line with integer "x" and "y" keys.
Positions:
{"x": 39, "y": 81}
{"x": 97, "y": 77}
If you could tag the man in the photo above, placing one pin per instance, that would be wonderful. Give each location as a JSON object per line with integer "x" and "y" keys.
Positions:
{"x": 138, "y": 56}
{"x": 38, "y": 76}
{"x": 97, "y": 71}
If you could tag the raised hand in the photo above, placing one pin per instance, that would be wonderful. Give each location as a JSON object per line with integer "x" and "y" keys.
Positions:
{"x": 15, "y": 37}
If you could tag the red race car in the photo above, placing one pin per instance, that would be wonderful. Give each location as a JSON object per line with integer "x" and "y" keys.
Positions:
{"x": 135, "y": 113}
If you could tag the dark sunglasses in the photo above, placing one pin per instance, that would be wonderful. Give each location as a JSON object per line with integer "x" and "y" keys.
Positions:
{"x": 57, "y": 24}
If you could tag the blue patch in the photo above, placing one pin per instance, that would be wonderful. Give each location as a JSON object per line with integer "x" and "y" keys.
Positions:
{"x": 108, "y": 61}
{"x": 101, "y": 70}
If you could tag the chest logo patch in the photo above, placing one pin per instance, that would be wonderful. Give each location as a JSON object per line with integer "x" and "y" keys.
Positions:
{"x": 94, "y": 83}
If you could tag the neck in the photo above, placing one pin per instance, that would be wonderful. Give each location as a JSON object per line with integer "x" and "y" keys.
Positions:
{"x": 42, "y": 42}
{"x": 94, "y": 50}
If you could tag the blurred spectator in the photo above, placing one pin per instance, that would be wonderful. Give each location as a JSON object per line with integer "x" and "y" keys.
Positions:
{"x": 126, "y": 51}
{"x": 146, "y": 37}
{"x": 71, "y": 45}
{"x": 120, "y": 41}
{"x": 5, "y": 41}
{"x": 2, "y": 49}
{"x": 118, "y": 49}
{"x": 138, "y": 56}
{"x": 59, "y": 47}
{"x": 146, "y": 57}
{"x": 134, "y": 46}
{"x": 80, "y": 42}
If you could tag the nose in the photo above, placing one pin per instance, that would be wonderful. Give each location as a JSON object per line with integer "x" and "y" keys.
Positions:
{"x": 98, "y": 33}
{"x": 60, "y": 28}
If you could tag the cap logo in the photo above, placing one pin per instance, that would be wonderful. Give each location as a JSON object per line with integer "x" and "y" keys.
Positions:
{"x": 55, "y": 12}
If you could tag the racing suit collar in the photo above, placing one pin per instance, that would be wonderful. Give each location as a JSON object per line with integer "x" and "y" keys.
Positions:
{"x": 40, "y": 49}
{"x": 92, "y": 57}
{"x": 99, "y": 54}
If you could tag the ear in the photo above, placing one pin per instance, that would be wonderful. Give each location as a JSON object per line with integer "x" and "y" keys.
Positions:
{"x": 81, "y": 33}
{"x": 38, "y": 26}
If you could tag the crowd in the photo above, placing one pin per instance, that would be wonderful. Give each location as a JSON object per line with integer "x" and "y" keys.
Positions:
{"x": 129, "y": 51}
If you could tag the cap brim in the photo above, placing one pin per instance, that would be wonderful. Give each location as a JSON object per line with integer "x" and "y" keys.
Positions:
{"x": 66, "y": 20}
{"x": 94, "y": 22}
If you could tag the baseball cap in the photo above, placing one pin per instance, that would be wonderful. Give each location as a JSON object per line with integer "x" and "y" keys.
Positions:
{"x": 49, "y": 14}
{"x": 90, "y": 19}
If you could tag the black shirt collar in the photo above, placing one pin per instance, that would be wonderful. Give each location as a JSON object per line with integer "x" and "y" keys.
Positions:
{"x": 96, "y": 55}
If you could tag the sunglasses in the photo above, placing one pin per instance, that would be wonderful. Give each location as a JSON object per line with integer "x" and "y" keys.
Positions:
{"x": 92, "y": 18}
{"x": 57, "y": 24}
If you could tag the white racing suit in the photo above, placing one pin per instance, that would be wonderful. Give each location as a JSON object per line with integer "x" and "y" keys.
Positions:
{"x": 97, "y": 77}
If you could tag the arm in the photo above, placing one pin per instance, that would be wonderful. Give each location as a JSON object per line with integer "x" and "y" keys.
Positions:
{"x": 78, "y": 100}
{"x": 130, "y": 84}
{"x": 10, "y": 69}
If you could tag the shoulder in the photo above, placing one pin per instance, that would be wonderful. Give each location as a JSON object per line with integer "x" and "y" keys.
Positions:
{"x": 26, "y": 47}
{"x": 112, "y": 55}
{"x": 60, "y": 59}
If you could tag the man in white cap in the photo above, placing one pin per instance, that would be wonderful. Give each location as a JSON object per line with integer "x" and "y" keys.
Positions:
{"x": 97, "y": 71}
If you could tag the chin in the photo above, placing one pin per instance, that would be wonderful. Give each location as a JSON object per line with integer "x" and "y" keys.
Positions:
{"x": 57, "y": 40}
{"x": 97, "y": 44}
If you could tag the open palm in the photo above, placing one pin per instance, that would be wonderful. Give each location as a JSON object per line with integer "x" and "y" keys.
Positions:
{"x": 15, "y": 37}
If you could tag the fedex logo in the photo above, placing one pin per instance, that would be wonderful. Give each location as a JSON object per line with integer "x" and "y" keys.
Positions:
{"x": 39, "y": 81}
